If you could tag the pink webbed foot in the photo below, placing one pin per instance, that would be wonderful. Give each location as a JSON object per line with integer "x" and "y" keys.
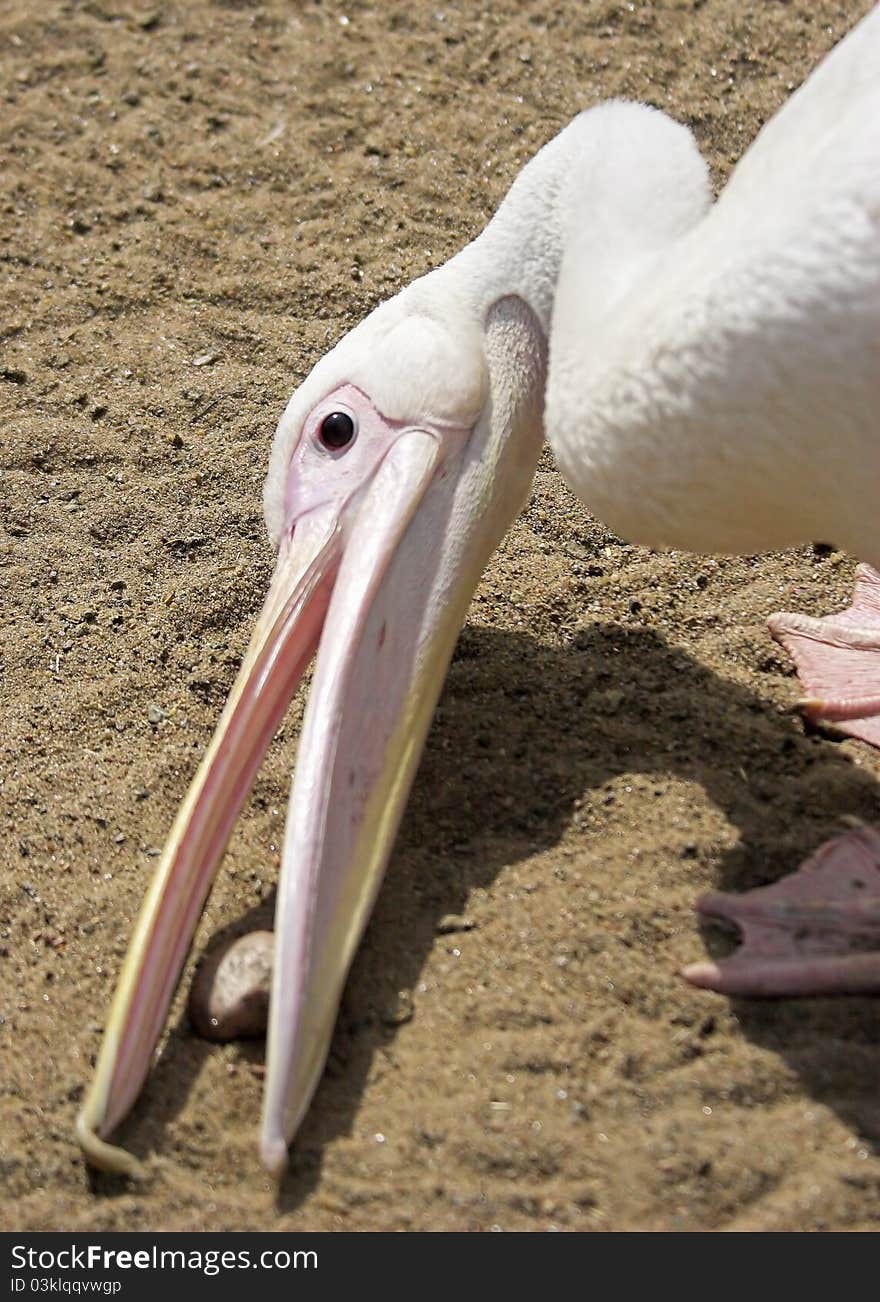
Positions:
{"x": 838, "y": 660}
{"x": 816, "y": 932}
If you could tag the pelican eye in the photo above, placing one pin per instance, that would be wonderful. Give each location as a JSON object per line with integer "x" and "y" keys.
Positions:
{"x": 337, "y": 430}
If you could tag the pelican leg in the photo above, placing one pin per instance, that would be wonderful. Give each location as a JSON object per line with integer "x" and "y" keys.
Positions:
{"x": 815, "y": 932}
{"x": 838, "y": 660}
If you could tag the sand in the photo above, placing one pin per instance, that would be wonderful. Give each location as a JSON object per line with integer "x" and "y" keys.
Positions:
{"x": 198, "y": 199}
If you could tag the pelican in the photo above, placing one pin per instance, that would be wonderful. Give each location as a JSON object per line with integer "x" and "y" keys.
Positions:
{"x": 708, "y": 379}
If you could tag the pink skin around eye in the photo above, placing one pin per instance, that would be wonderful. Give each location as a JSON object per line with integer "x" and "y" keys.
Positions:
{"x": 319, "y": 476}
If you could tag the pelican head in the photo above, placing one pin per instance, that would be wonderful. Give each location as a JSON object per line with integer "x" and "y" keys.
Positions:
{"x": 396, "y": 468}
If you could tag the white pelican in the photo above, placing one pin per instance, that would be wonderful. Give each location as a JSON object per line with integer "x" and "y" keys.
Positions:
{"x": 713, "y": 384}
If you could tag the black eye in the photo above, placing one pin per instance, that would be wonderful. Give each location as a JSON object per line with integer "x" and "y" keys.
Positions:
{"x": 337, "y": 429}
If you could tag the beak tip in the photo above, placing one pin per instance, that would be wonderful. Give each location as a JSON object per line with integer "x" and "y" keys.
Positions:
{"x": 101, "y": 1155}
{"x": 273, "y": 1152}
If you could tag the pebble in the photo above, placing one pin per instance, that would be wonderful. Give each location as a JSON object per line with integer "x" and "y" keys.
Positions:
{"x": 229, "y": 999}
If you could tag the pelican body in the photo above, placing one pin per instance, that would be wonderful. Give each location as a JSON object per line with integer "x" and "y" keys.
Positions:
{"x": 708, "y": 379}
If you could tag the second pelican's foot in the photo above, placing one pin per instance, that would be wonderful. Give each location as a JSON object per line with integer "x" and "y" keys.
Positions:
{"x": 815, "y": 932}
{"x": 838, "y": 660}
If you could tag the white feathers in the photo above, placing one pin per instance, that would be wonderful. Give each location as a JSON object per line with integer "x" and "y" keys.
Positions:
{"x": 719, "y": 391}
{"x": 714, "y": 372}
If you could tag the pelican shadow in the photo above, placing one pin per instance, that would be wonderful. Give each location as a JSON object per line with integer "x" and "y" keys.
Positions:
{"x": 513, "y": 748}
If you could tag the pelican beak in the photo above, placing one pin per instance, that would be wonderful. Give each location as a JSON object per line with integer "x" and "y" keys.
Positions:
{"x": 381, "y": 548}
{"x": 334, "y": 573}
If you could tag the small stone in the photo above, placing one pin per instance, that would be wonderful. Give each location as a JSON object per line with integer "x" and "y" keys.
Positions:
{"x": 156, "y": 714}
{"x": 229, "y": 999}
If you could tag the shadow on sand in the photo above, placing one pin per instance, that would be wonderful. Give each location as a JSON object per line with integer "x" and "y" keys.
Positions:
{"x": 513, "y": 747}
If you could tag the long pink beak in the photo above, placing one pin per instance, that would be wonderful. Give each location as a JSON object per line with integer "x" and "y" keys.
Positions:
{"x": 381, "y": 583}
{"x": 351, "y": 782}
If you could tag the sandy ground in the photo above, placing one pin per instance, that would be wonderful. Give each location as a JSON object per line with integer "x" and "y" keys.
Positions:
{"x": 197, "y": 199}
